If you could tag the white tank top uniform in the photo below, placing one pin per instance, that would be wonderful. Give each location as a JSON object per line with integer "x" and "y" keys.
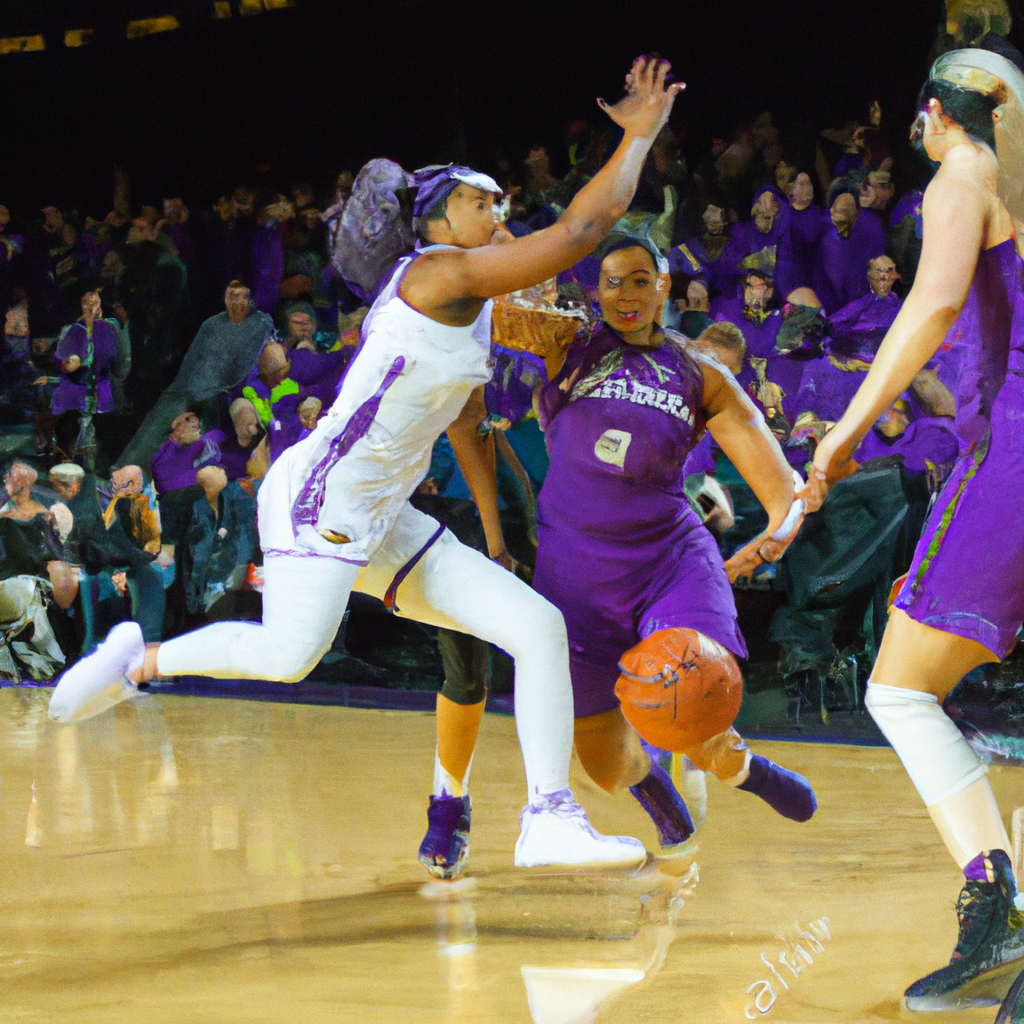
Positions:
{"x": 339, "y": 492}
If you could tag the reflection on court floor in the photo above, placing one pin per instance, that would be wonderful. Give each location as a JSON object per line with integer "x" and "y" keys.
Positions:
{"x": 196, "y": 860}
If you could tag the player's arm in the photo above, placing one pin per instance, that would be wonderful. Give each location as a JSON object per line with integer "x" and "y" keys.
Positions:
{"x": 498, "y": 269}
{"x": 739, "y": 429}
{"x": 475, "y": 455}
{"x": 955, "y": 214}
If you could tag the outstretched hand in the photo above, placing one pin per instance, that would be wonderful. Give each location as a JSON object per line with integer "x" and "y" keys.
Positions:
{"x": 648, "y": 101}
{"x": 830, "y": 465}
{"x": 764, "y": 548}
{"x": 506, "y": 561}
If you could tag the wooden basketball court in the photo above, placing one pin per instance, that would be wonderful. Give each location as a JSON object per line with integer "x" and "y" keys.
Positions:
{"x": 184, "y": 860}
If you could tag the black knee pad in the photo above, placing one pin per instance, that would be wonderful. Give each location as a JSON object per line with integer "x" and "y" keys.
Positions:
{"x": 466, "y": 662}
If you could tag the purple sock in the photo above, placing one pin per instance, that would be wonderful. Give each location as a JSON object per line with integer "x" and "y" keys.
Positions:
{"x": 785, "y": 792}
{"x": 989, "y": 866}
{"x": 661, "y": 800}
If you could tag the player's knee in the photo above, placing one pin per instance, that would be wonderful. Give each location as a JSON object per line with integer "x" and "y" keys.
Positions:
{"x": 724, "y": 755}
{"x": 934, "y": 752}
{"x": 540, "y": 629}
{"x": 891, "y": 703}
{"x": 606, "y": 767}
{"x": 293, "y": 661}
{"x": 610, "y": 750}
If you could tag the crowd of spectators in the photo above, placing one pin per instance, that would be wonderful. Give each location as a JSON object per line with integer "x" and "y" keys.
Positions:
{"x": 153, "y": 366}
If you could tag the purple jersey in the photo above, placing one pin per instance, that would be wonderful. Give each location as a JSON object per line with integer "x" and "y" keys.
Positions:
{"x": 967, "y": 576}
{"x": 175, "y": 465}
{"x": 98, "y": 353}
{"x": 621, "y": 553}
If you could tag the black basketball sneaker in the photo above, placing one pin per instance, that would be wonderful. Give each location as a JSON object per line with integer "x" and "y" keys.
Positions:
{"x": 988, "y": 949}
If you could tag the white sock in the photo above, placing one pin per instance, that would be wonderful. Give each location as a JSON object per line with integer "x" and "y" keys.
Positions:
{"x": 446, "y": 783}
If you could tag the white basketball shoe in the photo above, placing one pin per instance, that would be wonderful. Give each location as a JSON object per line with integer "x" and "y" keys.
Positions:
{"x": 102, "y": 679}
{"x": 555, "y": 831}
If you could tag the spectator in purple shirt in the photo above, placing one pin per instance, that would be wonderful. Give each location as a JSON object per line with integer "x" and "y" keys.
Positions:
{"x": 87, "y": 355}
{"x": 846, "y": 246}
{"x": 319, "y": 373}
{"x": 87, "y": 352}
{"x": 175, "y": 464}
{"x": 185, "y": 450}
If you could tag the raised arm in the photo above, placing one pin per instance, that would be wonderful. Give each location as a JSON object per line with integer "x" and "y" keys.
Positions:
{"x": 490, "y": 270}
{"x": 956, "y": 211}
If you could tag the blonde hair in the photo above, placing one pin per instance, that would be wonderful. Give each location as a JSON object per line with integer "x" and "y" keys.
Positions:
{"x": 969, "y": 20}
{"x": 725, "y": 335}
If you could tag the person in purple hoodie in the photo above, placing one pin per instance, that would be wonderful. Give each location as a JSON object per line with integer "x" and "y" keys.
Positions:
{"x": 768, "y": 227}
{"x": 799, "y": 255}
{"x": 847, "y": 244}
{"x": 87, "y": 353}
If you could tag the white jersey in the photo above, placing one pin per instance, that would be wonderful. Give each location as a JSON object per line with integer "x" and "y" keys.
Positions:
{"x": 338, "y": 492}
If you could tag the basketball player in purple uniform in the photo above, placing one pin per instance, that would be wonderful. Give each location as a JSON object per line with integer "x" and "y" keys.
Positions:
{"x": 962, "y": 603}
{"x": 626, "y": 559}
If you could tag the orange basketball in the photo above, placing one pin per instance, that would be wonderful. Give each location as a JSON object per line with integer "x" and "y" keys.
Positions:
{"x": 678, "y": 689}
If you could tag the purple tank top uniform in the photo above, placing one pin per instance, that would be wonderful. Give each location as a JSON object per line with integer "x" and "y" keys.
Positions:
{"x": 967, "y": 576}
{"x": 621, "y": 553}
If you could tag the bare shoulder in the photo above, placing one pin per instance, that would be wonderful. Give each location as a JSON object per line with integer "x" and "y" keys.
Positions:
{"x": 436, "y": 284}
{"x": 710, "y": 366}
{"x": 962, "y": 179}
{"x": 962, "y": 201}
{"x": 720, "y": 386}
{"x": 426, "y": 268}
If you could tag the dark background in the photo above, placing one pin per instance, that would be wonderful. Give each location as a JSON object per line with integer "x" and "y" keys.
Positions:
{"x": 330, "y": 83}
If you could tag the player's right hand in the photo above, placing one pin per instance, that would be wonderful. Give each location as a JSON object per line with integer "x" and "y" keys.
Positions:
{"x": 648, "y": 101}
{"x": 821, "y": 481}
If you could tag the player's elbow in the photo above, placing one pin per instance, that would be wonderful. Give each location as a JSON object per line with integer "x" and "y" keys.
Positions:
{"x": 584, "y": 234}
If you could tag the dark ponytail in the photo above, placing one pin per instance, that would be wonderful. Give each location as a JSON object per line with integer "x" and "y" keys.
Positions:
{"x": 970, "y": 109}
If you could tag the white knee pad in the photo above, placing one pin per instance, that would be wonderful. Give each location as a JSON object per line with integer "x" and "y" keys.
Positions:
{"x": 934, "y": 752}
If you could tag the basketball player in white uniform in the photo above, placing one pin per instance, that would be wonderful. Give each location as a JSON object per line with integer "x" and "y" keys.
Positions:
{"x": 334, "y": 513}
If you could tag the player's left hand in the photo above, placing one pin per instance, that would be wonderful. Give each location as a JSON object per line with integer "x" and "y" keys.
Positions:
{"x": 506, "y": 561}
{"x": 764, "y": 548}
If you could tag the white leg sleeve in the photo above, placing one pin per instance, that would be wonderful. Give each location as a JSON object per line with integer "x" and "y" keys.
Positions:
{"x": 457, "y": 587}
{"x": 934, "y": 752}
{"x": 304, "y": 600}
